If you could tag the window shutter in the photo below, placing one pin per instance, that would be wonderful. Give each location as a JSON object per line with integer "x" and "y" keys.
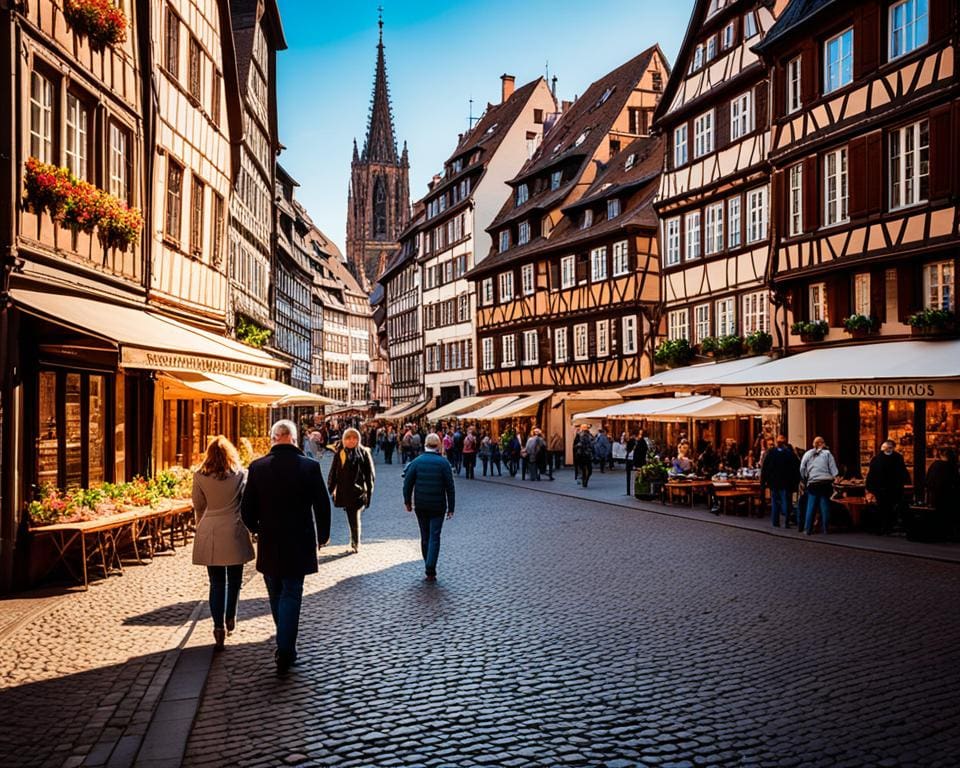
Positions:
{"x": 760, "y": 94}
{"x": 669, "y": 146}
{"x": 878, "y": 294}
{"x": 838, "y": 299}
{"x": 866, "y": 41}
{"x": 942, "y": 150}
{"x": 592, "y": 340}
{"x": 583, "y": 266}
{"x": 615, "y": 335}
{"x": 544, "y": 341}
{"x": 554, "y": 275}
{"x": 857, "y": 176}
{"x": 778, "y": 81}
{"x": 874, "y": 173}
{"x": 940, "y": 22}
{"x": 722, "y": 116}
{"x": 811, "y": 194}
{"x": 907, "y": 290}
{"x": 809, "y": 71}
{"x": 799, "y": 303}
{"x": 780, "y": 203}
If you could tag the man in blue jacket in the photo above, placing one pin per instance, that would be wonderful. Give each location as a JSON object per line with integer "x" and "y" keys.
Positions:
{"x": 428, "y": 485}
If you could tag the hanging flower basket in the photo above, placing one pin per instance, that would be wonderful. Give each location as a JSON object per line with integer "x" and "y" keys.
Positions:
{"x": 100, "y": 21}
{"x": 933, "y": 322}
{"x": 47, "y": 188}
{"x": 810, "y": 332}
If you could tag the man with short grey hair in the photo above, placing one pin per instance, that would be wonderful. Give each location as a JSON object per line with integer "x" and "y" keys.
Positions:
{"x": 285, "y": 503}
{"x": 428, "y": 484}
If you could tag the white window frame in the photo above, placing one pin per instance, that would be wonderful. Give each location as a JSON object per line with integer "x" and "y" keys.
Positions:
{"x": 76, "y": 135}
{"x": 560, "y": 350}
{"x": 603, "y": 338}
{"x": 701, "y": 322}
{"x": 756, "y": 215}
{"x": 672, "y": 238}
{"x": 749, "y": 25}
{"x": 817, "y": 295}
{"x": 727, "y": 39}
{"x": 795, "y": 199}
{"x": 680, "y": 145}
{"x": 698, "y": 57}
{"x": 523, "y": 194}
{"x": 938, "y": 280}
{"x": 703, "y": 134}
{"x": 836, "y": 189}
{"x": 568, "y": 272}
{"x": 488, "y": 353}
{"x": 41, "y": 118}
{"x": 556, "y": 179}
{"x": 523, "y": 233}
{"x": 734, "y": 224}
{"x": 711, "y": 51}
{"x": 861, "y": 293}
{"x": 508, "y": 351}
{"x": 598, "y": 264}
{"x": 910, "y": 31}
{"x": 526, "y": 279}
{"x": 621, "y": 258}
{"x": 613, "y": 208}
{"x": 692, "y": 221}
{"x": 531, "y": 347}
{"x": 794, "y": 79}
{"x": 755, "y": 312}
{"x": 741, "y": 115}
{"x": 713, "y": 229}
{"x": 678, "y": 324}
{"x": 838, "y": 69}
{"x": 629, "y": 335}
{"x": 504, "y": 240}
{"x": 486, "y": 291}
{"x": 506, "y": 287}
{"x": 581, "y": 342}
{"x": 725, "y": 313}
{"x": 909, "y": 164}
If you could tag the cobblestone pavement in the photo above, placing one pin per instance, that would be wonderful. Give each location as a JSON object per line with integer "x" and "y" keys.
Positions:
{"x": 77, "y": 676}
{"x": 568, "y": 633}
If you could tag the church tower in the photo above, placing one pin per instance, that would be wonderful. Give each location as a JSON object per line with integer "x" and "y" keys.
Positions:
{"x": 378, "y": 201}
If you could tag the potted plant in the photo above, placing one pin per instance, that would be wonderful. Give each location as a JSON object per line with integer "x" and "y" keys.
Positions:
{"x": 859, "y": 326}
{"x": 730, "y": 345}
{"x": 250, "y": 333}
{"x": 758, "y": 342}
{"x": 708, "y": 346}
{"x": 810, "y": 331}
{"x": 933, "y": 322}
{"x": 650, "y": 479}
{"x": 100, "y": 21}
{"x": 673, "y": 353}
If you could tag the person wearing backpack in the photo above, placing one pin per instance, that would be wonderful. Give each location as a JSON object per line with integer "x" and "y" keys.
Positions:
{"x": 583, "y": 452}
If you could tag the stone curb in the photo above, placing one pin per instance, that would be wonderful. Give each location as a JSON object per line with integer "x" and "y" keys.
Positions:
{"x": 835, "y": 541}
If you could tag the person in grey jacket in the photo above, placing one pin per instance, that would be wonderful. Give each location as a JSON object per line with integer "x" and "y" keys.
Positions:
{"x": 428, "y": 486}
{"x": 818, "y": 470}
{"x": 222, "y": 542}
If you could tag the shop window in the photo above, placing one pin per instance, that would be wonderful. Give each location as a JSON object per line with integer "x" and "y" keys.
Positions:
{"x": 943, "y": 427}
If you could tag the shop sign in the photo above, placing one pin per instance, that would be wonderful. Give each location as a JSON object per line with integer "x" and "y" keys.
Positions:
{"x": 860, "y": 390}
{"x": 132, "y": 357}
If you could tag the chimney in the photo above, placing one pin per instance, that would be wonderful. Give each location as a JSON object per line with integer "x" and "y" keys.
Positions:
{"x": 565, "y": 105}
{"x": 506, "y": 86}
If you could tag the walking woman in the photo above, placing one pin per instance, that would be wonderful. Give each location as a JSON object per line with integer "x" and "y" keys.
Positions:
{"x": 351, "y": 480}
{"x": 223, "y": 542}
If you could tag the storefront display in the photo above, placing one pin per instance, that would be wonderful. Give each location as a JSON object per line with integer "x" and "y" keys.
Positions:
{"x": 943, "y": 427}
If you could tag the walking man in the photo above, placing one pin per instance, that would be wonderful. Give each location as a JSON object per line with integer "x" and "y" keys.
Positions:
{"x": 818, "y": 470}
{"x": 286, "y": 504}
{"x": 780, "y": 472}
{"x": 428, "y": 486}
{"x": 583, "y": 454}
{"x": 535, "y": 445}
{"x": 885, "y": 482}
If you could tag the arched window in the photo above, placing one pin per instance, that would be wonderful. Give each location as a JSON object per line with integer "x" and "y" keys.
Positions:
{"x": 379, "y": 208}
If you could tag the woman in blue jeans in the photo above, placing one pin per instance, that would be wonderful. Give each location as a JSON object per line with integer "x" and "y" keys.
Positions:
{"x": 223, "y": 542}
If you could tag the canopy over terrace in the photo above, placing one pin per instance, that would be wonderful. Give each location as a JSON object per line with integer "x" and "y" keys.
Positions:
{"x": 493, "y": 406}
{"x": 459, "y": 406}
{"x": 249, "y": 390}
{"x": 895, "y": 370}
{"x": 705, "y": 407}
{"x": 691, "y": 378}
{"x": 527, "y": 405}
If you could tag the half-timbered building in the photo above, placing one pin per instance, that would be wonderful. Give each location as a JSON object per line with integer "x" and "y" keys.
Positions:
{"x": 714, "y": 197}
{"x": 866, "y": 173}
{"x": 565, "y": 301}
{"x": 459, "y": 207}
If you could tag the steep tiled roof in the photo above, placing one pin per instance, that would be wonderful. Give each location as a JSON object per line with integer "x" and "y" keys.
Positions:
{"x": 577, "y": 134}
{"x": 243, "y": 16}
{"x": 795, "y": 15}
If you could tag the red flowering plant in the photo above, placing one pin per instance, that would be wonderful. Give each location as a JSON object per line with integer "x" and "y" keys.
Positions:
{"x": 85, "y": 207}
{"x": 48, "y": 188}
{"x": 100, "y": 21}
{"x": 120, "y": 225}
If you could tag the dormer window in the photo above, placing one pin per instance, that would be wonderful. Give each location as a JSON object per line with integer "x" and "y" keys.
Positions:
{"x": 491, "y": 129}
{"x": 749, "y": 25}
{"x": 613, "y": 208}
{"x": 523, "y": 194}
{"x": 504, "y": 240}
{"x": 727, "y": 40}
{"x": 712, "y": 48}
{"x": 604, "y": 97}
{"x": 581, "y": 138}
{"x": 587, "y": 219}
{"x": 698, "y": 57}
{"x": 523, "y": 233}
{"x": 555, "y": 178}
{"x": 457, "y": 166}
{"x": 631, "y": 161}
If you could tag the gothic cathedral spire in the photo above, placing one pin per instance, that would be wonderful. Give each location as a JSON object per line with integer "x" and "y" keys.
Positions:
{"x": 378, "y": 202}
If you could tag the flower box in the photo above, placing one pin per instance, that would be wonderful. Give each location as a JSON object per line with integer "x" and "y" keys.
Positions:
{"x": 100, "y": 21}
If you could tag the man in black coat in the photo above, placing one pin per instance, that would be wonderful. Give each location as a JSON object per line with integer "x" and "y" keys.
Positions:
{"x": 780, "y": 472}
{"x": 285, "y": 503}
{"x": 886, "y": 479}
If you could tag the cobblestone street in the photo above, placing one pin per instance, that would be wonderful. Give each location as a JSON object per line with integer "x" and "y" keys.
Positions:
{"x": 561, "y": 632}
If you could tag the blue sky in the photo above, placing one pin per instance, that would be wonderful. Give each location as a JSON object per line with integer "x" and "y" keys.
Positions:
{"x": 439, "y": 55}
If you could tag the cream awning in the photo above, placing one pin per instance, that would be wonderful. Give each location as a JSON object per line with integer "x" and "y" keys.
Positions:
{"x": 612, "y": 395}
{"x": 494, "y": 405}
{"x": 242, "y": 389}
{"x": 148, "y": 340}
{"x": 523, "y": 406}
{"x": 410, "y": 409}
{"x": 691, "y": 377}
{"x": 705, "y": 407}
{"x": 395, "y": 410}
{"x": 895, "y": 370}
{"x": 458, "y": 406}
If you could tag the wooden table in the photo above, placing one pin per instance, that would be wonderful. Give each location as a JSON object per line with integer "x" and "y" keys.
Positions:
{"x": 686, "y": 489}
{"x": 106, "y": 533}
{"x": 854, "y": 506}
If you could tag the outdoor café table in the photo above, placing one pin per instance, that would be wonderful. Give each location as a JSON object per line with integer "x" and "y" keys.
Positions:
{"x": 687, "y": 489}
{"x": 854, "y": 506}
{"x": 98, "y": 539}
{"x": 727, "y": 492}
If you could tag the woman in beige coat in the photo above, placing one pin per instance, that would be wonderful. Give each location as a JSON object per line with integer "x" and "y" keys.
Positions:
{"x": 223, "y": 542}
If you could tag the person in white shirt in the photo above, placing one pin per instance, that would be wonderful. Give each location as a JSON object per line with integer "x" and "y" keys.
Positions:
{"x": 818, "y": 470}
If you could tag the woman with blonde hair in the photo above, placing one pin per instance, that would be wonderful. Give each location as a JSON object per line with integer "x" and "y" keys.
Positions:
{"x": 351, "y": 480}
{"x": 223, "y": 542}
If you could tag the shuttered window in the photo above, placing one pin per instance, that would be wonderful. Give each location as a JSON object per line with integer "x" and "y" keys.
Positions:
{"x": 835, "y": 191}
{"x": 508, "y": 357}
{"x": 487, "y": 354}
{"x": 568, "y": 272}
{"x": 795, "y": 203}
{"x": 756, "y": 214}
{"x": 794, "y": 101}
{"x": 580, "y": 341}
{"x": 838, "y": 61}
{"x": 672, "y": 227}
{"x": 938, "y": 285}
{"x": 818, "y": 302}
{"x": 713, "y": 235}
{"x": 909, "y": 164}
{"x": 741, "y": 116}
{"x": 629, "y": 346}
{"x": 680, "y": 146}
{"x": 693, "y": 235}
{"x": 908, "y": 27}
{"x": 861, "y": 293}
{"x": 603, "y": 338}
{"x": 560, "y": 345}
